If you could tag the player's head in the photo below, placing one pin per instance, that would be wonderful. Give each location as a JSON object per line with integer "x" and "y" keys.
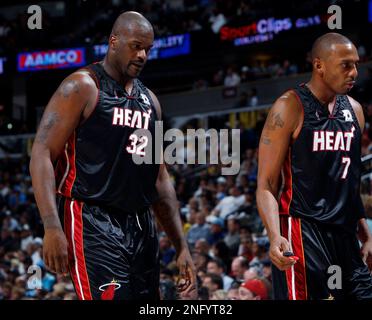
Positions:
{"x": 335, "y": 61}
{"x": 130, "y": 40}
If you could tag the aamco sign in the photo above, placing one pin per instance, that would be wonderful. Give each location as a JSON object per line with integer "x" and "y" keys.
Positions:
{"x": 51, "y": 59}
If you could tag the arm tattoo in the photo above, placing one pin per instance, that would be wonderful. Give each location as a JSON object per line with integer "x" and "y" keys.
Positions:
{"x": 48, "y": 121}
{"x": 68, "y": 87}
{"x": 265, "y": 140}
{"x": 274, "y": 121}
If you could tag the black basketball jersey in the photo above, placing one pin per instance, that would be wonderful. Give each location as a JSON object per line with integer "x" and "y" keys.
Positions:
{"x": 321, "y": 173}
{"x": 96, "y": 165}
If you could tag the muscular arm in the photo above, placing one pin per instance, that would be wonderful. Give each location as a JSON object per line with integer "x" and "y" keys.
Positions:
{"x": 166, "y": 208}
{"x": 282, "y": 124}
{"x": 60, "y": 118}
{"x": 167, "y": 213}
{"x": 280, "y": 127}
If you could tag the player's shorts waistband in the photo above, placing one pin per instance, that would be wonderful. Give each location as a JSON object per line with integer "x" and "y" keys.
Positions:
{"x": 107, "y": 207}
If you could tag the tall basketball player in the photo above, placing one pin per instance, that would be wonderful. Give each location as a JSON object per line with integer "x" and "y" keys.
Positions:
{"x": 93, "y": 199}
{"x": 308, "y": 182}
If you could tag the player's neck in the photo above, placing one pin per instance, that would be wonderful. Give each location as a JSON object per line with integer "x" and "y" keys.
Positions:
{"x": 125, "y": 82}
{"x": 321, "y": 92}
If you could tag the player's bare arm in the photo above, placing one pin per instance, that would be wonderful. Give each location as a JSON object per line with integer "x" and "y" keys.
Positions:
{"x": 282, "y": 125}
{"x": 62, "y": 115}
{"x": 167, "y": 213}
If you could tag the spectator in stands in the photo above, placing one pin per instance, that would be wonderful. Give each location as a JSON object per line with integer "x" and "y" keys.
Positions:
{"x": 252, "y": 98}
{"x": 252, "y": 273}
{"x": 260, "y": 249}
{"x": 254, "y": 289}
{"x": 213, "y": 282}
{"x": 217, "y": 232}
{"x": 9, "y": 222}
{"x": 202, "y": 246}
{"x": 26, "y": 236}
{"x": 167, "y": 290}
{"x": 203, "y": 185}
{"x": 287, "y": 68}
{"x": 244, "y": 74}
{"x": 218, "y": 78}
{"x": 203, "y": 293}
{"x": 221, "y": 188}
{"x": 232, "y": 238}
{"x": 245, "y": 247}
{"x": 239, "y": 265}
{"x": 201, "y": 260}
{"x": 219, "y": 295}
{"x": 221, "y": 251}
{"x": 266, "y": 270}
{"x": 229, "y": 204}
{"x": 233, "y": 292}
{"x": 193, "y": 204}
{"x": 199, "y": 230}
{"x": 216, "y": 266}
{"x": 166, "y": 251}
{"x": 232, "y": 79}
{"x": 34, "y": 250}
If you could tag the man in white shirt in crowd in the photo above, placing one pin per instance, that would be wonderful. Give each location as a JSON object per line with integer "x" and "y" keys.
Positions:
{"x": 230, "y": 203}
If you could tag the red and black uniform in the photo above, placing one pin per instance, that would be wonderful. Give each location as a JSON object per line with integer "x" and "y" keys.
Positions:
{"x": 104, "y": 196}
{"x": 320, "y": 203}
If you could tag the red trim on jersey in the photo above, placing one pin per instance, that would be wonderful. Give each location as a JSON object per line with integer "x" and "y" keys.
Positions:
{"x": 74, "y": 234}
{"x": 286, "y": 195}
{"x": 299, "y": 99}
{"x": 296, "y": 275}
{"x": 65, "y": 170}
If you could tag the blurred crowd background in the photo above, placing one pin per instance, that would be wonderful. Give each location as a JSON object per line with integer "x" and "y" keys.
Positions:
{"x": 220, "y": 220}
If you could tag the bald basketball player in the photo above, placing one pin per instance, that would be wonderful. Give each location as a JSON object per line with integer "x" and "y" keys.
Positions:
{"x": 93, "y": 199}
{"x": 308, "y": 182}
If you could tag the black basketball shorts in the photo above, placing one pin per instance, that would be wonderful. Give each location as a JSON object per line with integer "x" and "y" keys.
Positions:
{"x": 113, "y": 255}
{"x": 329, "y": 266}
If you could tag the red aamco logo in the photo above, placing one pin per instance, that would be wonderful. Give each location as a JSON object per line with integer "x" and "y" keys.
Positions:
{"x": 108, "y": 290}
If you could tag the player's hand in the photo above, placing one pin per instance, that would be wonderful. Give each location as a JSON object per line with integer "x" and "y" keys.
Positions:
{"x": 366, "y": 253}
{"x": 186, "y": 284}
{"x": 278, "y": 246}
{"x": 55, "y": 251}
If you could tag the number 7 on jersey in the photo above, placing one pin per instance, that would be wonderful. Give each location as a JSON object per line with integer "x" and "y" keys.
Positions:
{"x": 346, "y": 161}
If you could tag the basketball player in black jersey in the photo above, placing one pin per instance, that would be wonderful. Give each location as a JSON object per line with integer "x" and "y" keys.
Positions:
{"x": 308, "y": 182}
{"x": 93, "y": 199}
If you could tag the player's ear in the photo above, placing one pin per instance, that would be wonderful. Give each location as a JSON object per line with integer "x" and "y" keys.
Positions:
{"x": 113, "y": 42}
{"x": 318, "y": 66}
